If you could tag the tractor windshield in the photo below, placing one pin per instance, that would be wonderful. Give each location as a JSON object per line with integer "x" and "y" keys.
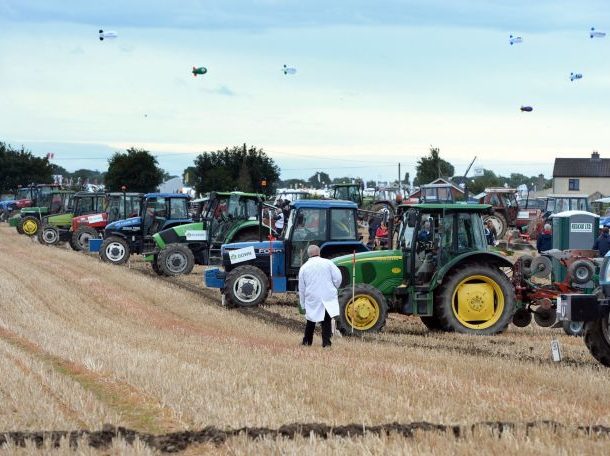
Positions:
{"x": 348, "y": 193}
{"x": 462, "y": 232}
{"x": 179, "y": 208}
{"x": 242, "y": 208}
{"x": 120, "y": 207}
{"x": 342, "y": 225}
{"x": 23, "y": 193}
{"x": 309, "y": 228}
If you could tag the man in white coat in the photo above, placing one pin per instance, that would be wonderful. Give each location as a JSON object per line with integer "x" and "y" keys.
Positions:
{"x": 319, "y": 279}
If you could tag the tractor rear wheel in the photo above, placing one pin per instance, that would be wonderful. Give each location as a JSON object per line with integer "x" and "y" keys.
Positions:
{"x": 114, "y": 250}
{"x": 432, "y": 323}
{"x": 81, "y": 237}
{"x": 246, "y": 236}
{"x": 29, "y": 225}
{"x": 246, "y": 286}
{"x": 48, "y": 235}
{"x": 475, "y": 299}
{"x": 19, "y": 227}
{"x": 365, "y": 313}
{"x": 597, "y": 339}
{"x": 499, "y": 223}
{"x": 176, "y": 259}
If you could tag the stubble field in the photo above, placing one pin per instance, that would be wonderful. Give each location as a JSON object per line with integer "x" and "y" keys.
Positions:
{"x": 86, "y": 346}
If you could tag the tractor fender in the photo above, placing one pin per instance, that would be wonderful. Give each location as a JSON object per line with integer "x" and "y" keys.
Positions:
{"x": 328, "y": 248}
{"x": 470, "y": 257}
{"x": 246, "y": 225}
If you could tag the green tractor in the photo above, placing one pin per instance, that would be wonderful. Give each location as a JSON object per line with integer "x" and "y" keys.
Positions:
{"x": 440, "y": 271}
{"x": 57, "y": 228}
{"x": 223, "y": 218}
{"x": 29, "y": 219}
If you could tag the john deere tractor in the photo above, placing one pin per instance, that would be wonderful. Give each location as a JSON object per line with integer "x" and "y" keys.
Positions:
{"x": 57, "y": 228}
{"x": 29, "y": 219}
{"x": 440, "y": 271}
{"x": 159, "y": 211}
{"x": 225, "y": 217}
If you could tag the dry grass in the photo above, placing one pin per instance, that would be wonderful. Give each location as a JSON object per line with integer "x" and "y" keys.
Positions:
{"x": 84, "y": 343}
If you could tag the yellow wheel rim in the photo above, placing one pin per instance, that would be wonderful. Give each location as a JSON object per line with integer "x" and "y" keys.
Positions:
{"x": 478, "y": 302}
{"x": 30, "y": 227}
{"x": 362, "y": 312}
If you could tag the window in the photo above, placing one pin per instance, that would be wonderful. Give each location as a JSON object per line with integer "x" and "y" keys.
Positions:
{"x": 342, "y": 224}
{"x": 574, "y": 185}
{"x": 309, "y": 228}
{"x": 179, "y": 208}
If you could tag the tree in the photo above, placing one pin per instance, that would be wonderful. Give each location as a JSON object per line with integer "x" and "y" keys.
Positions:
{"x": 407, "y": 180}
{"x": 319, "y": 180}
{"x": 20, "y": 167}
{"x": 432, "y": 167}
{"x": 226, "y": 170}
{"x": 480, "y": 183}
{"x": 342, "y": 180}
{"x": 371, "y": 184}
{"x": 292, "y": 183}
{"x": 137, "y": 169}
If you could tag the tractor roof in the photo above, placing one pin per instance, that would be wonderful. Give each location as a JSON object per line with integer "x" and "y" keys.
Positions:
{"x": 500, "y": 190}
{"x": 126, "y": 194}
{"x": 247, "y": 195}
{"x": 449, "y": 207}
{"x": 166, "y": 195}
{"x": 91, "y": 194}
{"x": 566, "y": 196}
{"x": 323, "y": 204}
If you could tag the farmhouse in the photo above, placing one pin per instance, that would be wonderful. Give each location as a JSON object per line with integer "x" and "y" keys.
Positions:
{"x": 582, "y": 175}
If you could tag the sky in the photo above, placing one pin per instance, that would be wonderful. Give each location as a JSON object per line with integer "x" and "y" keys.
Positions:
{"x": 377, "y": 83}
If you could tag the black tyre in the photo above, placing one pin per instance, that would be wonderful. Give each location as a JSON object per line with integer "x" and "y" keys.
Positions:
{"x": 365, "y": 313}
{"x": 432, "y": 323}
{"x": 80, "y": 238}
{"x": 574, "y": 328}
{"x": 475, "y": 299}
{"x": 499, "y": 222}
{"x": 155, "y": 266}
{"x": 581, "y": 271}
{"x": 48, "y": 235}
{"x": 525, "y": 261}
{"x": 246, "y": 286}
{"x": 246, "y": 236}
{"x": 597, "y": 340}
{"x": 19, "y": 228}
{"x": 176, "y": 259}
{"x": 29, "y": 225}
{"x": 114, "y": 250}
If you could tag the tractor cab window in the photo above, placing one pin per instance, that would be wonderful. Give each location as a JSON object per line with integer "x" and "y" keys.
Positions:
{"x": 444, "y": 194}
{"x": 408, "y": 222}
{"x": 179, "y": 208}
{"x": 463, "y": 233}
{"x": 579, "y": 204}
{"x": 426, "y": 248}
{"x": 349, "y": 193}
{"x": 56, "y": 203}
{"x": 155, "y": 215}
{"x": 221, "y": 209}
{"x": 309, "y": 228}
{"x": 342, "y": 224}
{"x": 494, "y": 200}
{"x": 23, "y": 193}
{"x": 83, "y": 205}
{"x": 242, "y": 208}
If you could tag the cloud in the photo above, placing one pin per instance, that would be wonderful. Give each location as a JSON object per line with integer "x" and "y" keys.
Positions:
{"x": 77, "y": 51}
{"x": 220, "y": 90}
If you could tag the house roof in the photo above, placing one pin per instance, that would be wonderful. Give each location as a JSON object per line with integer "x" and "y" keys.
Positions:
{"x": 581, "y": 167}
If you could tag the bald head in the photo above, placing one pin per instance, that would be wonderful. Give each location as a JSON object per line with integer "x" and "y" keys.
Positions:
{"x": 313, "y": 250}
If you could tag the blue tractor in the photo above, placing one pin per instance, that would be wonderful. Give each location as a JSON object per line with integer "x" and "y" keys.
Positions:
{"x": 252, "y": 269}
{"x": 158, "y": 211}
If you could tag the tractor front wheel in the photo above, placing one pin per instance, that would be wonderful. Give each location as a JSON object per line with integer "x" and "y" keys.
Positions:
{"x": 114, "y": 250}
{"x": 48, "y": 235}
{"x": 475, "y": 299}
{"x": 246, "y": 286}
{"x": 80, "y": 238}
{"x": 29, "y": 225}
{"x": 597, "y": 339}
{"x": 364, "y": 312}
{"x": 155, "y": 266}
{"x": 176, "y": 259}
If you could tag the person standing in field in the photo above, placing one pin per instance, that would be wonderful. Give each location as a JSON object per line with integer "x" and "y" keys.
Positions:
{"x": 602, "y": 243}
{"x": 544, "y": 241}
{"x": 319, "y": 279}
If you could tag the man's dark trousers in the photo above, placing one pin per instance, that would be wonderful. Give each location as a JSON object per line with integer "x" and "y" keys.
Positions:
{"x": 326, "y": 331}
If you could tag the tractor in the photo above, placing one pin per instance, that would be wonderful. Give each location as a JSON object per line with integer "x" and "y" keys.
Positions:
{"x": 159, "y": 211}
{"x": 436, "y": 193}
{"x": 441, "y": 270}
{"x": 593, "y": 309}
{"x": 506, "y": 208}
{"x": 24, "y": 197}
{"x": 56, "y": 228}
{"x": 252, "y": 269}
{"x": 228, "y": 217}
{"x": 117, "y": 206}
{"x": 29, "y": 219}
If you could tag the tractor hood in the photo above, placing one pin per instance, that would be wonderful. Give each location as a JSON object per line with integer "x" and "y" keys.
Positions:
{"x": 7, "y": 203}
{"x": 133, "y": 221}
{"x": 259, "y": 247}
{"x": 90, "y": 218}
{"x": 374, "y": 255}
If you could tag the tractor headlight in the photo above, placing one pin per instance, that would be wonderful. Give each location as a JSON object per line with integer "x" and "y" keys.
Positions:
{"x": 604, "y": 276}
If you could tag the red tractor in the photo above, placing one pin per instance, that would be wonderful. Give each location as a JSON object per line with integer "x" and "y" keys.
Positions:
{"x": 119, "y": 205}
{"x": 506, "y": 208}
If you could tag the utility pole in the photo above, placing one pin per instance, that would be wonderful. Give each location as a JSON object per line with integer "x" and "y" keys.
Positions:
{"x": 399, "y": 180}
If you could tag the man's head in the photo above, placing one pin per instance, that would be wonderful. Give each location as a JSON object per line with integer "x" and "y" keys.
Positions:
{"x": 605, "y": 230}
{"x": 313, "y": 251}
{"x": 398, "y": 198}
{"x": 427, "y": 225}
{"x": 547, "y": 227}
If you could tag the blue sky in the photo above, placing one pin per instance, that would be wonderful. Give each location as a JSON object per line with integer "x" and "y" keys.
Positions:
{"x": 377, "y": 82}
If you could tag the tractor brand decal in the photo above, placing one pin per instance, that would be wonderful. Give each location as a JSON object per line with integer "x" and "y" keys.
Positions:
{"x": 396, "y": 270}
{"x": 581, "y": 227}
{"x": 196, "y": 235}
{"x": 95, "y": 218}
{"x": 240, "y": 255}
{"x": 268, "y": 251}
{"x": 523, "y": 214}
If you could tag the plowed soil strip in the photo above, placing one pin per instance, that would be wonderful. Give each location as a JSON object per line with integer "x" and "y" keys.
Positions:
{"x": 136, "y": 409}
{"x": 179, "y": 441}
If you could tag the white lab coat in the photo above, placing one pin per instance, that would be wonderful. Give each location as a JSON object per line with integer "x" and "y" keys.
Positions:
{"x": 319, "y": 279}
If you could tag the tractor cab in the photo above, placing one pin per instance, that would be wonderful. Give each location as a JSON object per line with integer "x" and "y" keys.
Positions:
{"x": 120, "y": 206}
{"x": 348, "y": 192}
{"x": 561, "y": 203}
{"x": 432, "y": 236}
{"x": 436, "y": 193}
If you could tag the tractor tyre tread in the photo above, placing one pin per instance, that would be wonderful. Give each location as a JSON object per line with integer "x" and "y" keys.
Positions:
{"x": 173, "y": 247}
{"x": 345, "y": 296}
{"x": 596, "y": 342}
{"x": 92, "y": 232}
{"x": 234, "y": 274}
{"x": 105, "y": 245}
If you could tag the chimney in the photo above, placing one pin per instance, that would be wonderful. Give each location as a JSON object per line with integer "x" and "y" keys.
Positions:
{"x": 595, "y": 155}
